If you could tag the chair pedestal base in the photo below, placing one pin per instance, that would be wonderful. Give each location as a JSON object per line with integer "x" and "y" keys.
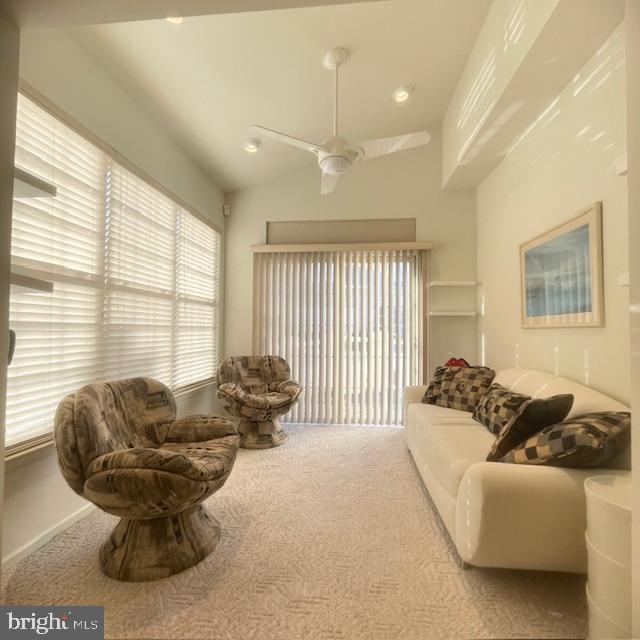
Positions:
{"x": 261, "y": 435}
{"x": 141, "y": 550}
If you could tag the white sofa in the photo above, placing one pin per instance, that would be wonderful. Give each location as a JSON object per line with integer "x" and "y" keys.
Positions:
{"x": 504, "y": 515}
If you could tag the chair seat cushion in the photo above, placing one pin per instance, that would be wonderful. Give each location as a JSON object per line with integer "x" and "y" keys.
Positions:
{"x": 199, "y": 428}
{"x": 212, "y": 459}
{"x": 265, "y": 401}
{"x": 201, "y": 461}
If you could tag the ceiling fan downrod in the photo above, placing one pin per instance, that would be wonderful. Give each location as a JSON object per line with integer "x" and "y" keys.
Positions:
{"x": 332, "y": 60}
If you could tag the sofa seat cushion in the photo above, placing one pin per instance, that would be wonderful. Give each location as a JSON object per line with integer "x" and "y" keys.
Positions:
{"x": 425, "y": 415}
{"x": 450, "y": 449}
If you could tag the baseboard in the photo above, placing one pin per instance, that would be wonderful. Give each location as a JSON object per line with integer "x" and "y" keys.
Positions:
{"x": 33, "y": 545}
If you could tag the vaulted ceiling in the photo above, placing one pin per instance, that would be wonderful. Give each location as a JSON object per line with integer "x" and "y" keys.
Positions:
{"x": 208, "y": 79}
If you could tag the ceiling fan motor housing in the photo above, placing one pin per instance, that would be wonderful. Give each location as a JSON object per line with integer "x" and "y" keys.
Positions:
{"x": 338, "y": 157}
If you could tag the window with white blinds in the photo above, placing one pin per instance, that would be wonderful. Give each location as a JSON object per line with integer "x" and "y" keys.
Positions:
{"x": 135, "y": 278}
{"x": 350, "y": 325}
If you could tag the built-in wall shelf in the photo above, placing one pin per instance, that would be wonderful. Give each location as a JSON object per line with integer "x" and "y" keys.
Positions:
{"x": 451, "y": 323}
{"x": 26, "y": 185}
{"x": 453, "y": 283}
{"x": 24, "y": 283}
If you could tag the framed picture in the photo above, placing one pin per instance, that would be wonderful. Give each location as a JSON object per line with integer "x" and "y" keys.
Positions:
{"x": 561, "y": 274}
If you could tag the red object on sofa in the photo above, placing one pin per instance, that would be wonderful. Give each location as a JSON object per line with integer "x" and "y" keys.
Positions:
{"x": 456, "y": 362}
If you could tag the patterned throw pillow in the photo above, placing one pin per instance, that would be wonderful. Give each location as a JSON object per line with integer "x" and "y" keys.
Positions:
{"x": 532, "y": 416}
{"x": 585, "y": 441}
{"x": 462, "y": 387}
{"x": 498, "y": 406}
{"x": 433, "y": 390}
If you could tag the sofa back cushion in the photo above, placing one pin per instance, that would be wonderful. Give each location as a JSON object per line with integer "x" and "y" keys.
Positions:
{"x": 540, "y": 384}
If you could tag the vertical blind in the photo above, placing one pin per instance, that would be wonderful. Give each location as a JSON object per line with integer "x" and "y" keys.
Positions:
{"x": 135, "y": 275}
{"x": 350, "y": 325}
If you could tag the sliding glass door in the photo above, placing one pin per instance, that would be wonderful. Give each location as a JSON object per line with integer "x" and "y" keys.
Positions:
{"x": 350, "y": 324}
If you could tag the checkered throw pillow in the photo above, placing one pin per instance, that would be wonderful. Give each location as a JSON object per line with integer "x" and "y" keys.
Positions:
{"x": 533, "y": 416}
{"x": 497, "y": 407}
{"x": 589, "y": 440}
{"x": 433, "y": 390}
{"x": 462, "y": 387}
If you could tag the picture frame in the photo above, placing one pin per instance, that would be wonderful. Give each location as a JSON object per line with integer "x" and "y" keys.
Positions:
{"x": 561, "y": 274}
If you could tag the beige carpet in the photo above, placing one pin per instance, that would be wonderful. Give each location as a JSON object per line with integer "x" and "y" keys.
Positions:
{"x": 330, "y": 537}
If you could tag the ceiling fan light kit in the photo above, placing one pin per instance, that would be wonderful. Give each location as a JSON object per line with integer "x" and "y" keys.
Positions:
{"x": 335, "y": 155}
{"x": 402, "y": 94}
{"x": 252, "y": 145}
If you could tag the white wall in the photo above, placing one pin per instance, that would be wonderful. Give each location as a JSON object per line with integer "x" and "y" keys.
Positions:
{"x": 55, "y": 64}
{"x": 566, "y": 162}
{"x": 38, "y": 502}
{"x": 9, "y": 48}
{"x": 632, "y": 24}
{"x": 405, "y": 185}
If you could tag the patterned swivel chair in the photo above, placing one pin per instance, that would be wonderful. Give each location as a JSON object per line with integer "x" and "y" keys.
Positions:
{"x": 120, "y": 446}
{"x": 257, "y": 389}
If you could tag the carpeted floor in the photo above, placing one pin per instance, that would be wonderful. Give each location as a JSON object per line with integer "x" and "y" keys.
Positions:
{"x": 330, "y": 537}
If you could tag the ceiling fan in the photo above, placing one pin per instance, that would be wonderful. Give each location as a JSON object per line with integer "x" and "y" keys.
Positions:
{"x": 335, "y": 155}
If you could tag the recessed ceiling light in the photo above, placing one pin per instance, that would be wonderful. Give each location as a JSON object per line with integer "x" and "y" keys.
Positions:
{"x": 175, "y": 19}
{"x": 402, "y": 94}
{"x": 252, "y": 145}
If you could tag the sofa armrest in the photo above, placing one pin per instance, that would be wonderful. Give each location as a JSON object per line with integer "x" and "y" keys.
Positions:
{"x": 523, "y": 517}
{"x": 411, "y": 395}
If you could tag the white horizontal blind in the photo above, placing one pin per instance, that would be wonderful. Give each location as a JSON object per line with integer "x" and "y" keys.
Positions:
{"x": 61, "y": 240}
{"x": 349, "y": 324}
{"x": 136, "y": 278}
{"x": 198, "y": 294}
{"x": 140, "y": 278}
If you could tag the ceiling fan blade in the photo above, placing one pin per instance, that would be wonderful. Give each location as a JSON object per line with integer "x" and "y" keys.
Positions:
{"x": 328, "y": 183}
{"x": 287, "y": 139}
{"x": 383, "y": 146}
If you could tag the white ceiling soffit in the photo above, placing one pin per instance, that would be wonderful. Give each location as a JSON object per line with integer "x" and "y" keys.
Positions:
{"x": 37, "y": 14}
{"x": 207, "y": 80}
{"x": 506, "y": 108}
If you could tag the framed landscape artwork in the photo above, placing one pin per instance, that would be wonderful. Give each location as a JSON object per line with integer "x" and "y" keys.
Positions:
{"x": 561, "y": 274}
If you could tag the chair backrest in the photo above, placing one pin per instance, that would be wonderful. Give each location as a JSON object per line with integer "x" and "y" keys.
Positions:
{"x": 255, "y": 374}
{"x": 110, "y": 416}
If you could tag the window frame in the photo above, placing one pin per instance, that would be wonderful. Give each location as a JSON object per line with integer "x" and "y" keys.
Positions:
{"x": 40, "y": 441}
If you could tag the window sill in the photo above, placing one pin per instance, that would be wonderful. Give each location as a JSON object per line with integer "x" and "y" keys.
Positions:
{"x": 23, "y": 453}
